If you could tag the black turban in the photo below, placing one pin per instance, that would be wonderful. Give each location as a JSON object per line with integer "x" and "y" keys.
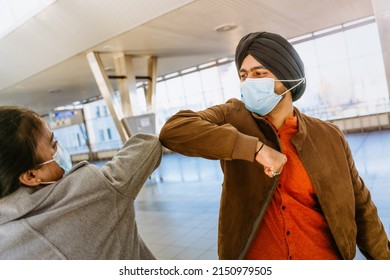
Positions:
{"x": 277, "y": 55}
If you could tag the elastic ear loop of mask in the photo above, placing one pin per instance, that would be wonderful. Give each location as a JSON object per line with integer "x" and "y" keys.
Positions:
{"x": 302, "y": 80}
{"x": 43, "y": 163}
{"x": 46, "y": 162}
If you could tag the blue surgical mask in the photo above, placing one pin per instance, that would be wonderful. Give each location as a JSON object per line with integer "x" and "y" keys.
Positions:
{"x": 259, "y": 94}
{"x": 62, "y": 158}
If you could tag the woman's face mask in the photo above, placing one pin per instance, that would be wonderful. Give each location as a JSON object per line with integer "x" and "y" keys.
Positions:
{"x": 62, "y": 158}
{"x": 259, "y": 96}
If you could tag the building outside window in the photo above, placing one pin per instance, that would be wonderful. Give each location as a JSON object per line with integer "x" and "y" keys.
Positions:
{"x": 98, "y": 125}
{"x": 97, "y": 112}
{"x": 72, "y": 138}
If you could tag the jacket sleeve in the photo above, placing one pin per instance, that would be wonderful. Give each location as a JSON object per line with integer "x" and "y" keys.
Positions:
{"x": 371, "y": 239}
{"x": 207, "y": 134}
{"x": 133, "y": 164}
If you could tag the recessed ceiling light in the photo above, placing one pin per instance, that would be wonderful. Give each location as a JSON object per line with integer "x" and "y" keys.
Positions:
{"x": 225, "y": 27}
{"x": 107, "y": 47}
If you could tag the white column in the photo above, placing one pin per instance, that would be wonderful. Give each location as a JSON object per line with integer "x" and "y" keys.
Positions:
{"x": 152, "y": 82}
{"x": 106, "y": 90}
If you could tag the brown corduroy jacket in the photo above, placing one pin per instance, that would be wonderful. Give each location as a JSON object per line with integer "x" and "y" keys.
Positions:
{"x": 229, "y": 133}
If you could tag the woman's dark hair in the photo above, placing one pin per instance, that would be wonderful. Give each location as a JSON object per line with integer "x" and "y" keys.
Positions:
{"x": 19, "y": 130}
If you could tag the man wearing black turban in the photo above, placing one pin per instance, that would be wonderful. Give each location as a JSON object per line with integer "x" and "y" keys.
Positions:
{"x": 277, "y": 55}
{"x": 290, "y": 188}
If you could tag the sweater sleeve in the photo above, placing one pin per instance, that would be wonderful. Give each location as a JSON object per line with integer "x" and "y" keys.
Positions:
{"x": 133, "y": 164}
{"x": 208, "y": 134}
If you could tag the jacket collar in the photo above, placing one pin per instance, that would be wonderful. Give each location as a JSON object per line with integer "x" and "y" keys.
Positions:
{"x": 299, "y": 138}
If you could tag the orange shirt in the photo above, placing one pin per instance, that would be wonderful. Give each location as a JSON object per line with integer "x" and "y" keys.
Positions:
{"x": 293, "y": 226}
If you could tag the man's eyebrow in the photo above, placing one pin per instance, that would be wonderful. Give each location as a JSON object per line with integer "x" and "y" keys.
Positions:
{"x": 254, "y": 68}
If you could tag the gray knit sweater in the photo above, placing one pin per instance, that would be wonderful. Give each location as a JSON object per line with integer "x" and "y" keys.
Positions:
{"x": 88, "y": 214}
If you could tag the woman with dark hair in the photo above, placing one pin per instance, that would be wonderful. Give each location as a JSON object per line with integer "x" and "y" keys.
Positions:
{"x": 49, "y": 210}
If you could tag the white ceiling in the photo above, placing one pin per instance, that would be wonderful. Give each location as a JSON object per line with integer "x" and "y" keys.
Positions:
{"x": 43, "y": 63}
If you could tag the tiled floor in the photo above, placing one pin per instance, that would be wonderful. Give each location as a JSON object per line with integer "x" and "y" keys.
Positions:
{"x": 180, "y": 220}
{"x": 177, "y": 210}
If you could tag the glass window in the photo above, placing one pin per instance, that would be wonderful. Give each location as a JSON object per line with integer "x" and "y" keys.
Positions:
{"x": 175, "y": 92}
{"x": 162, "y": 96}
{"x": 308, "y": 54}
{"x": 230, "y": 81}
{"x": 193, "y": 91}
{"x": 97, "y": 111}
{"x": 95, "y": 131}
{"x": 72, "y": 138}
{"x": 138, "y": 102}
{"x": 331, "y": 49}
{"x": 314, "y": 95}
{"x": 348, "y": 76}
{"x": 363, "y": 40}
{"x": 105, "y": 111}
{"x": 101, "y": 135}
{"x": 336, "y": 83}
{"x": 212, "y": 87}
{"x": 78, "y": 139}
{"x": 162, "y": 105}
{"x": 368, "y": 78}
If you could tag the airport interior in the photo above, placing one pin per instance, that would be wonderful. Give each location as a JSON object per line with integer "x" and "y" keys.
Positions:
{"x": 101, "y": 71}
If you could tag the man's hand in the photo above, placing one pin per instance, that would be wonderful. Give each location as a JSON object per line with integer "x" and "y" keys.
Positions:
{"x": 272, "y": 160}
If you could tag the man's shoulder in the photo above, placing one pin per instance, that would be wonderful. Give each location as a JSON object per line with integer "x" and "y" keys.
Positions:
{"x": 234, "y": 104}
{"x": 235, "y": 101}
{"x": 314, "y": 123}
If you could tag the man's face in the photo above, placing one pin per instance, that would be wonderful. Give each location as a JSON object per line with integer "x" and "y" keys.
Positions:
{"x": 251, "y": 68}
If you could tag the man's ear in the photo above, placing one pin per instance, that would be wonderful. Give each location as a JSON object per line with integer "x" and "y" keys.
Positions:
{"x": 30, "y": 178}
